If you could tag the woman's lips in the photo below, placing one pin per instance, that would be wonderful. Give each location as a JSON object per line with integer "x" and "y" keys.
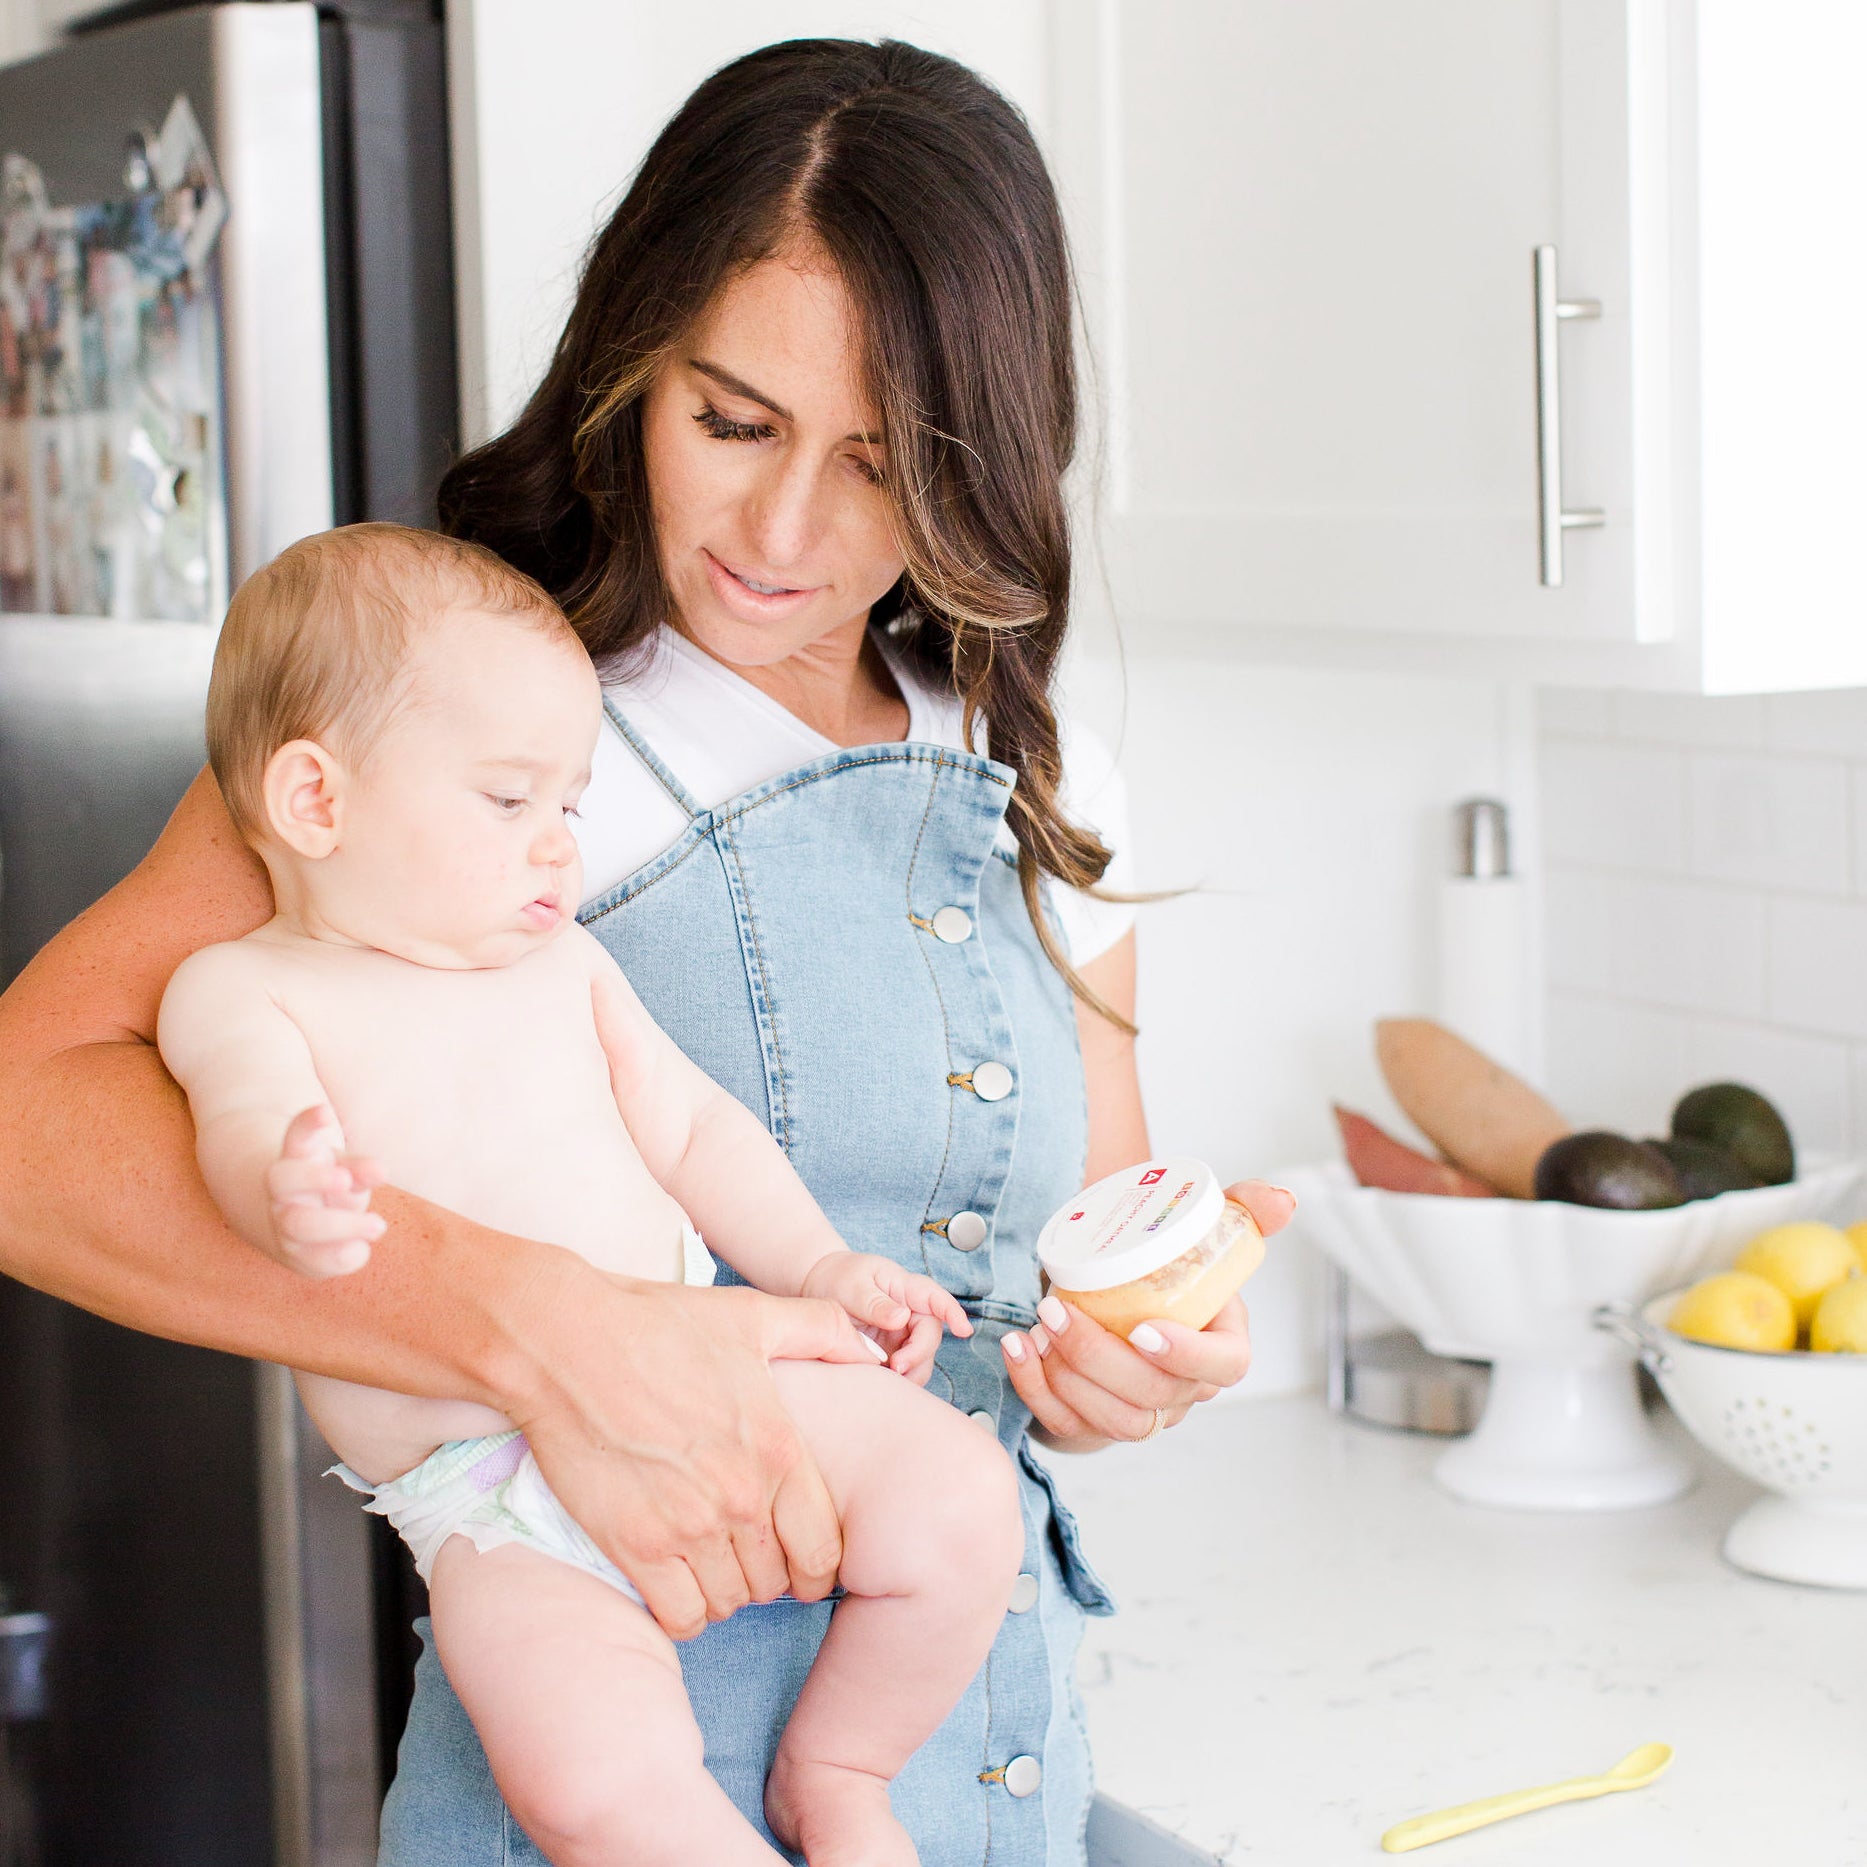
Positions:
{"x": 736, "y": 590}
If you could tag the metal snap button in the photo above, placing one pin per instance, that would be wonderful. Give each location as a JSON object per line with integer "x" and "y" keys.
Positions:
{"x": 979, "y": 1417}
{"x": 1024, "y": 1594}
{"x": 1023, "y": 1775}
{"x": 965, "y": 1231}
{"x": 991, "y": 1082}
{"x": 952, "y": 925}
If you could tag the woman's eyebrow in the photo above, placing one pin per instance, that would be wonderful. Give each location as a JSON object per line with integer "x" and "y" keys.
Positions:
{"x": 737, "y": 385}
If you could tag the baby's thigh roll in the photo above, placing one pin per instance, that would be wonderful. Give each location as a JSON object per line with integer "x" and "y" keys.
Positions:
{"x": 927, "y": 1497}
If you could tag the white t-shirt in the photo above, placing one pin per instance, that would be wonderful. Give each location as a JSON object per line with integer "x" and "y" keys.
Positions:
{"x": 720, "y": 736}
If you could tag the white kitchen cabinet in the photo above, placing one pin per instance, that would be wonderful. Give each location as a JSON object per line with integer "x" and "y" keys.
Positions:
{"x": 1306, "y": 234}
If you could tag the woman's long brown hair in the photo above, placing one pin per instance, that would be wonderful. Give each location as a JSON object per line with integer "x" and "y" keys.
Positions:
{"x": 925, "y": 188}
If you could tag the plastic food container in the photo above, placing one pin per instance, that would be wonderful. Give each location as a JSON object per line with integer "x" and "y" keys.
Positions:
{"x": 1158, "y": 1241}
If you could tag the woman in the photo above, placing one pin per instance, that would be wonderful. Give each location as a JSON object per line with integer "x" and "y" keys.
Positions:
{"x": 795, "y": 473}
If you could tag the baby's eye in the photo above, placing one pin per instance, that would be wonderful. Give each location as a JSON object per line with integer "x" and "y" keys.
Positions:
{"x": 507, "y": 806}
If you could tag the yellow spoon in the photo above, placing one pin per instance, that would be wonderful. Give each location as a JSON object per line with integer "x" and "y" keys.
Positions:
{"x": 1634, "y": 1771}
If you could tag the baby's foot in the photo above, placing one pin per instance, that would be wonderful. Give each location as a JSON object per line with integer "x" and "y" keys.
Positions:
{"x": 835, "y": 1816}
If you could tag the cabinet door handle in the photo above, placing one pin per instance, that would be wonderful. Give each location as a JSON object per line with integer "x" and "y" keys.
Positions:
{"x": 1552, "y": 519}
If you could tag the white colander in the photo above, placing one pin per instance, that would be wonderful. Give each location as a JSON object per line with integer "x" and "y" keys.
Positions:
{"x": 1795, "y": 1423}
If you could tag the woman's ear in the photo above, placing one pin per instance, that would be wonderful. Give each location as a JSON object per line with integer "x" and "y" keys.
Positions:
{"x": 304, "y": 789}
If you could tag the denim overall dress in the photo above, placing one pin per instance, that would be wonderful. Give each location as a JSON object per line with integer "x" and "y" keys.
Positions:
{"x": 847, "y": 950}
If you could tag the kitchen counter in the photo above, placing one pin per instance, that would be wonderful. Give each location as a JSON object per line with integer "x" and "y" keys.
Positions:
{"x": 1315, "y": 1643}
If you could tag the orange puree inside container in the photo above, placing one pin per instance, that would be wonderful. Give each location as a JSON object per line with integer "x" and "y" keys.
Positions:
{"x": 1155, "y": 1242}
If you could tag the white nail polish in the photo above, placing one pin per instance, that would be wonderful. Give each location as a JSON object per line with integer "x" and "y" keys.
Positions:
{"x": 1014, "y": 1347}
{"x": 1056, "y": 1317}
{"x": 1146, "y": 1338}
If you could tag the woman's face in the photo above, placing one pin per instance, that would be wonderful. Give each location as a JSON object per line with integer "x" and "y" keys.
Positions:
{"x": 765, "y": 463}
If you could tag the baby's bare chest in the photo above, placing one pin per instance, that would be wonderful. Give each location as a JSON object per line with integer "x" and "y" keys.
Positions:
{"x": 488, "y": 1091}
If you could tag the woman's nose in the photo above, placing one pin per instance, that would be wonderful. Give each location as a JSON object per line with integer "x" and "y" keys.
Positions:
{"x": 784, "y": 515}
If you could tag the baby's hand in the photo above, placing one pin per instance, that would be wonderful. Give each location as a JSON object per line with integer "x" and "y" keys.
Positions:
{"x": 902, "y": 1310}
{"x": 320, "y": 1198}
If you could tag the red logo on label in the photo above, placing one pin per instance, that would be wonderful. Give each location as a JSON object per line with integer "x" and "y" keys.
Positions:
{"x": 1074, "y": 1216}
{"x": 1149, "y": 1178}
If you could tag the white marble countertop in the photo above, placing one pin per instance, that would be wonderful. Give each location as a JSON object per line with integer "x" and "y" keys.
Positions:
{"x": 1315, "y": 1643}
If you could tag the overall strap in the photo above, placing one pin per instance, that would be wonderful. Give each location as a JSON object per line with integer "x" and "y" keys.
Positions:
{"x": 656, "y": 770}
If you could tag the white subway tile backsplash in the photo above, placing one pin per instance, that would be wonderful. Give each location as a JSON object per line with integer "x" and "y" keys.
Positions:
{"x": 1857, "y": 781}
{"x": 1772, "y": 822}
{"x": 1580, "y": 927}
{"x": 1808, "y": 1078}
{"x": 1614, "y": 807}
{"x": 1706, "y": 906}
{"x": 1676, "y": 944}
{"x": 1574, "y": 712}
{"x": 1818, "y": 966}
{"x": 1828, "y": 724}
{"x": 1726, "y": 724}
{"x": 1699, "y": 949}
{"x": 1616, "y": 1065}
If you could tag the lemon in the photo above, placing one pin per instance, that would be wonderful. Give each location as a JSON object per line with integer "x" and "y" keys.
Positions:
{"x": 1801, "y": 1260}
{"x": 1840, "y": 1325}
{"x": 1857, "y": 1236}
{"x": 1736, "y": 1309}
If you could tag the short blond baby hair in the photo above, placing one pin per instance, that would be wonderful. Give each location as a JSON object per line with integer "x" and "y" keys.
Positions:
{"x": 314, "y": 644}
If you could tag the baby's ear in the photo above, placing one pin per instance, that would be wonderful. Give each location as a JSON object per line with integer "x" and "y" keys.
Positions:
{"x": 304, "y": 790}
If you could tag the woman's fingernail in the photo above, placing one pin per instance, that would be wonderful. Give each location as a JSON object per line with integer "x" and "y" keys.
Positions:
{"x": 1146, "y": 1338}
{"x": 875, "y": 1348}
{"x": 1014, "y": 1347}
{"x": 1040, "y": 1341}
{"x": 1055, "y": 1316}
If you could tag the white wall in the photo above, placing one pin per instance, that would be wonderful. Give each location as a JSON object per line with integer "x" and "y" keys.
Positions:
{"x": 555, "y": 105}
{"x": 1307, "y": 811}
{"x": 1707, "y": 901}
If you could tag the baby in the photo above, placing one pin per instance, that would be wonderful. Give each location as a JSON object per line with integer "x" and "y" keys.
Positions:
{"x": 402, "y": 726}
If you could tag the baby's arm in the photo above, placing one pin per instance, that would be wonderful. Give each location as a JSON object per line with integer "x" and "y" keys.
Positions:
{"x": 266, "y": 1136}
{"x": 735, "y": 1183}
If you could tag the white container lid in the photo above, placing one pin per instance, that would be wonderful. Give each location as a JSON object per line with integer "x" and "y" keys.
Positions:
{"x": 1131, "y": 1224}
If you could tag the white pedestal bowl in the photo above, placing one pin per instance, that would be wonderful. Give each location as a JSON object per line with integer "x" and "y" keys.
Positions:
{"x": 1517, "y": 1283}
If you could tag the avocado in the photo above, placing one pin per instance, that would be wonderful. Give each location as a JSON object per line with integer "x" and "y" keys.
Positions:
{"x": 1600, "y": 1169}
{"x": 1704, "y": 1171}
{"x": 1741, "y": 1123}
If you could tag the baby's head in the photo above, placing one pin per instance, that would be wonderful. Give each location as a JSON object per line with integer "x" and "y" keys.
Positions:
{"x": 401, "y": 725}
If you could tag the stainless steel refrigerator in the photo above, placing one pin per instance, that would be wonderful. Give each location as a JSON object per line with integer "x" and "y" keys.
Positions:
{"x": 225, "y": 321}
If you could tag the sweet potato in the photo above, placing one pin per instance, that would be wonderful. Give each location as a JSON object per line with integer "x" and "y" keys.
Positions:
{"x": 1479, "y": 1115}
{"x": 1376, "y": 1158}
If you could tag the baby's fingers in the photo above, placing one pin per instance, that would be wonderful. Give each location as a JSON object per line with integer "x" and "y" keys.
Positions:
{"x": 323, "y": 1242}
{"x": 297, "y": 1181}
{"x": 313, "y": 1133}
{"x": 932, "y": 1299}
{"x": 914, "y": 1357}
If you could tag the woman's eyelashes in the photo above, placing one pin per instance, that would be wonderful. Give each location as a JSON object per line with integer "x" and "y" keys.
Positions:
{"x": 720, "y": 427}
{"x": 712, "y": 422}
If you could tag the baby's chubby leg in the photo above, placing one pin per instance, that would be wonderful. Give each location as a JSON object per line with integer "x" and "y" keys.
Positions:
{"x": 932, "y": 1539}
{"x": 577, "y": 1697}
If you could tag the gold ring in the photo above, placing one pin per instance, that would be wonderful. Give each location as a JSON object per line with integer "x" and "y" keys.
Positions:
{"x": 1154, "y": 1431}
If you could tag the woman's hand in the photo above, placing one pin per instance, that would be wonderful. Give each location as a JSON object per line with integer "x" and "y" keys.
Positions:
{"x": 665, "y": 1438}
{"x": 1085, "y": 1386}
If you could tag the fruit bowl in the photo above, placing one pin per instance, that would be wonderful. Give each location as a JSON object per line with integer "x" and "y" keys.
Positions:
{"x": 1517, "y": 1283}
{"x": 1795, "y": 1423}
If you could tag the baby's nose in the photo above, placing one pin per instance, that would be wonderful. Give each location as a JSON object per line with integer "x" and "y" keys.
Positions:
{"x": 555, "y": 847}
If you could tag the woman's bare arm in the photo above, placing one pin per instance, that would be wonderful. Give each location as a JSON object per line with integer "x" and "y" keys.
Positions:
{"x": 650, "y": 1410}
